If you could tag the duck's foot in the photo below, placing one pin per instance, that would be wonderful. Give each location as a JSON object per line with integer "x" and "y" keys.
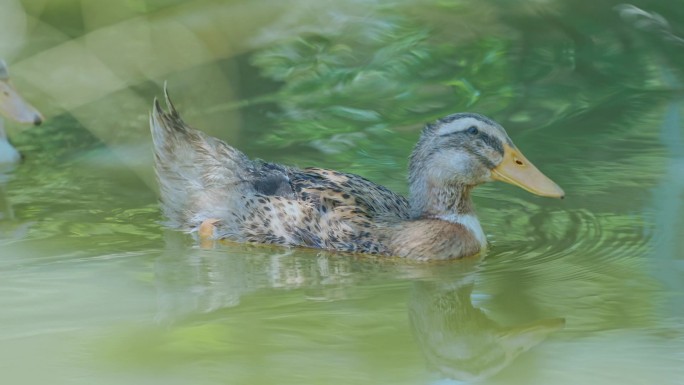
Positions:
{"x": 206, "y": 233}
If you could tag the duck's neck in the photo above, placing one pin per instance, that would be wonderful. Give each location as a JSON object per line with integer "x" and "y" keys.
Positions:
{"x": 430, "y": 200}
{"x": 8, "y": 154}
{"x": 449, "y": 203}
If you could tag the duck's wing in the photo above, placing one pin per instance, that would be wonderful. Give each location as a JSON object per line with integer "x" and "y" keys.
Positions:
{"x": 332, "y": 189}
{"x": 322, "y": 208}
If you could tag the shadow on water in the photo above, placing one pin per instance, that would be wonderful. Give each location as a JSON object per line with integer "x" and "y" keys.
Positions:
{"x": 667, "y": 208}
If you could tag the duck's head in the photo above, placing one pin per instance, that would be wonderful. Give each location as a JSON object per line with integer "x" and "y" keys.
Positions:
{"x": 12, "y": 105}
{"x": 466, "y": 149}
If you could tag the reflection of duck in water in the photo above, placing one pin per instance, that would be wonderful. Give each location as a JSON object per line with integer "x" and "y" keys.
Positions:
{"x": 13, "y": 106}
{"x": 459, "y": 340}
{"x": 210, "y": 187}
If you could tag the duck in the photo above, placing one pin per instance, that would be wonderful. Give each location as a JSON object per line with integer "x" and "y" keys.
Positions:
{"x": 14, "y": 107}
{"x": 215, "y": 191}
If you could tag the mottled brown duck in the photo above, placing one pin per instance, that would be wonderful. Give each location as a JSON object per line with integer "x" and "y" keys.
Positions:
{"x": 215, "y": 190}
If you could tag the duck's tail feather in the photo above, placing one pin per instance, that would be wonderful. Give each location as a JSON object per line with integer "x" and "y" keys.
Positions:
{"x": 196, "y": 172}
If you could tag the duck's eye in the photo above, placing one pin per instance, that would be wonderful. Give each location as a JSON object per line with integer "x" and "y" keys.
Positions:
{"x": 472, "y": 130}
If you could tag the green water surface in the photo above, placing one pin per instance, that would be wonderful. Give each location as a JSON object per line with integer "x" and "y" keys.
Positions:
{"x": 588, "y": 290}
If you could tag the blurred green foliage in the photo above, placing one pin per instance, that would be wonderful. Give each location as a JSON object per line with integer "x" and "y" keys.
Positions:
{"x": 391, "y": 69}
{"x": 371, "y": 76}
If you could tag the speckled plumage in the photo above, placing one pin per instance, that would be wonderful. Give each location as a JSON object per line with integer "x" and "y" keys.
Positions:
{"x": 204, "y": 179}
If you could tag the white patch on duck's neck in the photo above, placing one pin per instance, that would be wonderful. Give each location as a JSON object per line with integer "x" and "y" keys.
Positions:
{"x": 8, "y": 154}
{"x": 470, "y": 222}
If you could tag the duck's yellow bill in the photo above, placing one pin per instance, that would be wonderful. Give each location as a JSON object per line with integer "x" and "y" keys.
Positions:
{"x": 517, "y": 170}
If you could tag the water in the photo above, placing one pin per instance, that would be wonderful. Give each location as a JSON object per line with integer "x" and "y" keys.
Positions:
{"x": 585, "y": 290}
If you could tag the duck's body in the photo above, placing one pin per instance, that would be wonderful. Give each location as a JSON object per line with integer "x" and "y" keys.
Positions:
{"x": 210, "y": 187}
{"x": 12, "y": 106}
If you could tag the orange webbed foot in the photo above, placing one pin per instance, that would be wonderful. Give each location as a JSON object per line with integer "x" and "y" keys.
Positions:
{"x": 206, "y": 233}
